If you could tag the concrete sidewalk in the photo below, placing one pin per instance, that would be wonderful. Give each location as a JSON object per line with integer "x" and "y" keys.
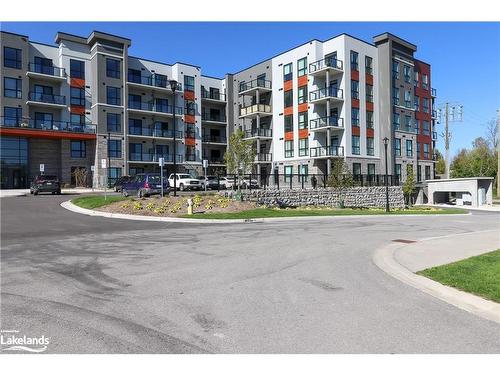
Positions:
{"x": 486, "y": 208}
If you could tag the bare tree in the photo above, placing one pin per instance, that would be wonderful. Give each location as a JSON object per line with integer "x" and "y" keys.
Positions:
{"x": 492, "y": 133}
{"x": 81, "y": 176}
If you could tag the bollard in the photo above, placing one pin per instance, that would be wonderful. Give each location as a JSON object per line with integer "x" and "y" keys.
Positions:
{"x": 190, "y": 206}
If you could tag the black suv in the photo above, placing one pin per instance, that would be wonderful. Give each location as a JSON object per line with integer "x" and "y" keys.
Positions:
{"x": 45, "y": 184}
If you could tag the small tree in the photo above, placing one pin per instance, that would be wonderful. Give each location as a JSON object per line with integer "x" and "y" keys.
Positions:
{"x": 240, "y": 155}
{"x": 440, "y": 163}
{"x": 409, "y": 185}
{"x": 340, "y": 178}
{"x": 81, "y": 176}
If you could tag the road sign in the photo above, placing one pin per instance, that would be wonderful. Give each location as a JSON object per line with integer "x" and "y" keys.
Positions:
{"x": 161, "y": 162}
{"x": 205, "y": 163}
{"x": 42, "y": 167}
{"x": 104, "y": 163}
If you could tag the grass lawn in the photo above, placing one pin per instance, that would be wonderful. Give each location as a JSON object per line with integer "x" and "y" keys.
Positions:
{"x": 94, "y": 201}
{"x": 269, "y": 212}
{"x": 479, "y": 275}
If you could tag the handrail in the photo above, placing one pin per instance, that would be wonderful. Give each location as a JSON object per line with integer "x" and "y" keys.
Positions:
{"x": 61, "y": 126}
{"x": 327, "y": 62}
{"x": 48, "y": 70}
{"x": 255, "y": 83}
{"x": 326, "y": 151}
{"x": 322, "y": 122}
{"x": 46, "y": 98}
{"x": 326, "y": 92}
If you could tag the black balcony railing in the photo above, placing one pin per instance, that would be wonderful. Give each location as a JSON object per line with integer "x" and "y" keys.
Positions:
{"x": 326, "y": 151}
{"x": 190, "y": 157}
{"x": 256, "y": 83}
{"x": 326, "y": 92}
{"x": 47, "y": 70}
{"x": 214, "y": 160}
{"x": 253, "y": 133}
{"x": 46, "y": 98}
{"x": 151, "y": 80}
{"x": 323, "y": 122}
{"x": 214, "y": 138}
{"x": 58, "y": 126}
{"x": 328, "y": 62}
{"x": 152, "y": 132}
{"x": 205, "y": 116}
{"x": 153, "y": 158}
{"x": 154, "y": 107}
{"x": 263, "y": 157}
{"x": 213, "y": 95}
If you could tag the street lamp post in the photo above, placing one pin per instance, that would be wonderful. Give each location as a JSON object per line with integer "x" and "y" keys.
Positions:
{"x": 386, "y": 142}
{"x": 173, "y": 86}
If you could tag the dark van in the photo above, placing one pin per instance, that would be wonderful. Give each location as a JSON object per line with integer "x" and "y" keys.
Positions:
{"x": 145, "y": 185}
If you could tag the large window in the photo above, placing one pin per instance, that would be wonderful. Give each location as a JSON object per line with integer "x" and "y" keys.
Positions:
{"x": 397, "y": 171}
{"x": 287, "y": 72}
{"x": 78, "y": 149}
{"x": 415, "y": 78}
{"x": 427, "y": 172}
{"x": 113, "y": 96}
{"x": 356, "y": 169}
{"x": 135, "y": 151}
{"x": 354, "y": 61}
{"x": 416, "y": 103}
{"x": 115, "y": 148}
{"x": 12, "y": 116}
{"x": 369, "y": 120}
{"x": 408, "y": 99}
{"x": 288, "y": 149}
{"x": 409, "y": 148}
{"x": 302, "y": 67}
{"x": 302, "y": 97}
{"x": 426, "y": 150}
{"x": 371, "y": 171}
{"x": 302, "y": 120}
{"x": 76, "y": 119}
{"x": 288, "y": 98}
{"x": 188, "y": 83}
{"x": 288, "y": 123}
{"x": 408, "y": 125}
{"x": 14, "y": 166}
{"x": 114, "y": 122}
{"x": 303, "y": 172}
{"x": 288, "y": 173}
{"x": 113, "y": 68}
{"x": 134, "y": 101}
{"x": 12, "y": 58}
{"x": 355, "y": 145}
{"x": 395, "y": 69}
{"x": 395, "y": 96}
{"x": 355, "y": 116}
{"x": 354, "y": 89}
{"x": 113, "y": 175}
{"x": 426, "y": 128}
{"x": 369, "y": 93}
{"x": 407, "y": 73}
{"x": 419, "y": 173}
{"x": 370, "y": 146}
{"x": 77, "y": 96}
{"x": 397, "y": 146}
{"x": 135, "y": 126}
{"x": 425, "y": 105}
{"x": 425, "y": 81}
{"x": 77, "y": 69}
{"x": 396, "y": 118}
{"x": 44, "y": 120}
{"x": 368, "y": 65}
{"x": 12, "y": 88}
{"x": 303, "y": 146}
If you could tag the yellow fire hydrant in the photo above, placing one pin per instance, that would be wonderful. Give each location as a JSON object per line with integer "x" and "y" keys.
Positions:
{"x": 190, "y": 206}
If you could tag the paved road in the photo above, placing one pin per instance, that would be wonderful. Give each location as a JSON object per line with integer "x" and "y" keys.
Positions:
{"x": 97, "y": 285}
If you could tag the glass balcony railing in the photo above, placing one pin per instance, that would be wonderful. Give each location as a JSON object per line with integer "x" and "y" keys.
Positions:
{"x": 152, "y": 132}
{"x": 263, "y": 157}
{"x": 152, "y": 157}
{"x": 153, "y": 107}
{"x": 214, "y": 160}
{"x": 326, "y": 92}
{"x": 323, "y": 122}
{"x": 328, "y": 62}
{"x": 213, "y": 117}
{"x": 213, "y": 95}
{"x": 214, "y": 138}
{"x": 315, "y": 152}
{"x": 47, "y": 70}
{"x": 253, "y": 133}
{"x": 46, "y": 98}
{"x": 151, "y": 80}
{"x": 57, "y": 126}
{"x": 406, "y": 128}
{"x": 256, "y": 108}
{"x": 256, "y": 83}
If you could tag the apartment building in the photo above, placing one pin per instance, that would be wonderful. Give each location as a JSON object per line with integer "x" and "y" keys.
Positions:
{"x": 85, "y": 103}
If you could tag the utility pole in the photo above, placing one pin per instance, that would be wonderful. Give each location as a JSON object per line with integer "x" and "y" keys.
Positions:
{"x": 452, "y": 113}
{"x": 498, "y": 153}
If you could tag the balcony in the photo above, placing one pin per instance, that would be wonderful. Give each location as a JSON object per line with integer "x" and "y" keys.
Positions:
{"x": 433, "y": 92}
{"x": 190, "y": 157}
{"x": 263, "y": 158}
{"x": 405, "y": 128}
{"x": 258, "y": 133}
{"x": 434, "y": 136}
{"x": 50, "y": 73}
{"x": 154, "y": 133}
{"x": 213, "y": 118}
{"x": 434, "y": 114}
{"x": 32, "y": 126}
{"x": 214, "y": 161}
{"x": 154, "y": 108}
{"x": 328, "y": 64}
{"x": 46, "y": 100}
{"x": 325, "y": 123}
{"x": 326, "y": 152}
{"x": 248, "y": 88}
{"x": 152, "y": 158}
{"x": 256, "y": 110}
{"x": 215, "y": 139}
{"x": 213, "y": 96}
{"x": 151, "y": 81}
{"x": 326, "y": 93}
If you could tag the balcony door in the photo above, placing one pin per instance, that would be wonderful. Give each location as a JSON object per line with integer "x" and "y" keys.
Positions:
{"x": 43, "y": 120}
{"x": 162, "y": 151}
{"x": 44, "y": 93}
{"x": 44, "y": 66}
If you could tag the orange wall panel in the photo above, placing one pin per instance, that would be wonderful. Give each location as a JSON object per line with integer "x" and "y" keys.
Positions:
{"x": 369, "y": 79}
{"x": 355, "y": 130}
{"x": 288, "y": 111}
{"x": 189, "y": 141}
{"x": 288, "y": 136}
{"x": 287, "y": 85}
{"x": 302, "y": 107}
{"x": 77, "y": 82}
{"x": 77, "y": 109}
{"x": 303, "y": 133}
{"x": 355, "y": 75}
{"x": 189, "y": 95}
{"x": 369, "y": 106}
{"x": 302, "y": 80}
{"x": 370, "y": 132}
{"x": 355, "y": 103}
{"x": 190, "y": 119}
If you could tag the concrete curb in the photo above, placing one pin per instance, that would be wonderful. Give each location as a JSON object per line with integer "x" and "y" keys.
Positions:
{"x": 72, "y": 207}
{"x": 385, "y": 260}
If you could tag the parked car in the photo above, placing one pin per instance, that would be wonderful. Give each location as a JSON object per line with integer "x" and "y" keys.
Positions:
{"x": 212, "y": 183}
{"x": 45, "y": 184}
{"x": 184, "y": 182}
{"x": 119, "y": 183}
{"x": 145, "y": 185}
{"x": 227, "y": 182}
{"x": 247, "y": 183}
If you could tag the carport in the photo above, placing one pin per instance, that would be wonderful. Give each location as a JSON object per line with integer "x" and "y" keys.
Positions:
{"x": 469, "y": 191}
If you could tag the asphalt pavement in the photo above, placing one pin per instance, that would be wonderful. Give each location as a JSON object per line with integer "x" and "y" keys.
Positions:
{"x": 100, "y": 285}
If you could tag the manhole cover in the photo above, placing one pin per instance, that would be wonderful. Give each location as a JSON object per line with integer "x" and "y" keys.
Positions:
{"x": 404, "y": 241}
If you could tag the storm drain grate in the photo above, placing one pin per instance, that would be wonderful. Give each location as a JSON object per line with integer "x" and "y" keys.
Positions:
{"x": 403, "y": 241}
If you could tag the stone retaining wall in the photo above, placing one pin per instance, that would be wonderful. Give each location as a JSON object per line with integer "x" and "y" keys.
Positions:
{"x": 373, "y": 197}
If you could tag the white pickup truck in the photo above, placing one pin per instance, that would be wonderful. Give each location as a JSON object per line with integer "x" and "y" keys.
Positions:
{"x": 184, "y": 182}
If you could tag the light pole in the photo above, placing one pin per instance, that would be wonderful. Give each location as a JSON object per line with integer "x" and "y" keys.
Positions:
{"x": 173, "y": 87}
{"x": 386, "y": 142}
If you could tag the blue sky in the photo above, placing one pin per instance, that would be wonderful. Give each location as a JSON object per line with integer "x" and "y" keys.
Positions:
{"x": 465, "y": 57}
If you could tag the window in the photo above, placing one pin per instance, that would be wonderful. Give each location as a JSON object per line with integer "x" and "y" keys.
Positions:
{"x": 397, "y": 146}
{"x": 188, "y": 83}
{"x": 113, "y": 68}
{"x": 288, "y": 173}
{"x": 115, "y": 148}
{"x": 355, "y": 116}
{"x": 12, "y": 116}
{"x": 409, "y": 148}
{"x": 302, "y": 120}
{"x": 77, "y": 96}
{"x": 426, "y": 128}
{"x": 370, "y": 146}
{"x": 425, "y": 104}
{"x": 416, "y": 103}
{"x": 302, "y": 94}
{"x": 76, "y": 69}
{"x": 425, "y": 81}
{"x": 77, "y": 119}
{"x": 113, "y": 175}
{"x": 303, "y": 146}
{"x": 368, "y": 65}
{"x": 415, "y": 78}
{"x": 395, "y": 94}
{"x": 302, "y": 67}
{"x": 134, "y": 101}
{"x": 369, "y": 120}
{"x": 356, "y": 169}
{"x": 114, "y": 122}
{"x": 303, "y": 172}
{"x": 113, "y": 96}
{"x": 427, "y": 172}
{"x": 134, "y": 75}
{"x": 354, "y": 89}
{"x": 287, "y": 72}
{"x": 395, "y": 70}
{"x": 354, "y": 61}
{"x": 371, "y": 171}
{"x": 135, "y": 126}
{"x": 426, "y": 150}
{"x": 407, "y": 73}
{"x": 288, "y": 123}
{"x": 161, "y": 80}
{"x": 78, "y": 149}
{"x": 355, "y": 145}
{"x": 396, "y": 121}
{"x": 12, "y": 58}
{"x": 397, "y": 171}
{"x": 288, "y": 149}
{"x": 135, "y": 151}
{"x": 419, "y": 173}
{"x": 288, "y": 97}
{"x": 408, "y": 126}
{"x": 12, "y": 88}
{"x": 369, "y": 93}
{"x": 43, "y": 120}
{"x": 408, "y": 99}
